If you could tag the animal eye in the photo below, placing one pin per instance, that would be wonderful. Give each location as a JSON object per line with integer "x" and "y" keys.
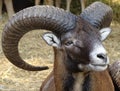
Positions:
{"x": 68, "y": 43}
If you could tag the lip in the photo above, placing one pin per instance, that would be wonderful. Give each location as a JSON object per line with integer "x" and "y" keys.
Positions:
{"x": 99, "y": 64}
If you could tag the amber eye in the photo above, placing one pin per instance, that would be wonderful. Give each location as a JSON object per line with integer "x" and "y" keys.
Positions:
{"x": 68, "y": 43}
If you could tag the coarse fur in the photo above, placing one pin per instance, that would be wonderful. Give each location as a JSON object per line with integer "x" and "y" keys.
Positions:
{"x": 80, "y": 59}
{"x": 72, "y": 77}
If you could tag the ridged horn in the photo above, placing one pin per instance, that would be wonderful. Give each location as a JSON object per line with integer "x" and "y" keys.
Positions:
{"x": 98, "y": 15}
{"x": 36, "y": 17}
{"x": 114, "y": 70}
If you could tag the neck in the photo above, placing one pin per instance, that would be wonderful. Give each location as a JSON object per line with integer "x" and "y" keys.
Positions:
{"x": 60, "y": 72}
{"x": 68, "y": 81}
{"x": 82, "y": 82}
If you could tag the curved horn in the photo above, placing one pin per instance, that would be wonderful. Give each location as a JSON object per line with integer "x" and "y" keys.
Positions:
{"x": 114, "y": 70}
{"x": 37, "y": 17}
{"x": 98, "y": 15}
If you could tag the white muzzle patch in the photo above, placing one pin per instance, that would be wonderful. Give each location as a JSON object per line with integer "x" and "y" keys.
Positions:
{"x": 97, "y": 63}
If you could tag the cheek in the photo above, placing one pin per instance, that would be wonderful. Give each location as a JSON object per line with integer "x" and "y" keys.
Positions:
{"x": 74, "y": 52}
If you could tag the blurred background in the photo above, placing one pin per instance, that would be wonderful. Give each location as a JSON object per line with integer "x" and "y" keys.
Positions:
{"x": 38, "y": 53}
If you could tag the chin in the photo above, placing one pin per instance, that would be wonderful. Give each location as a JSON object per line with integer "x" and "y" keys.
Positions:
{"x": 98, "y": 68}
{"x": 90, "y": 67}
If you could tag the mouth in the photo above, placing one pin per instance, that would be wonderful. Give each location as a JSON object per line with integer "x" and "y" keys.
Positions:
{"x": 98, "y": 67}
{"x": 93, "y": 67}
{"x": 99, "y": 64}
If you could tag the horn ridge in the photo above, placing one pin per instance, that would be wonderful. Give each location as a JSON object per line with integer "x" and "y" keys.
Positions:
{"x": 37, "y": 17}
{"x": 98, "y": 15}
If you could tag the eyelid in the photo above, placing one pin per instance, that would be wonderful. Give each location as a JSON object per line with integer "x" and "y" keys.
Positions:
{"x": 70, "y": 42}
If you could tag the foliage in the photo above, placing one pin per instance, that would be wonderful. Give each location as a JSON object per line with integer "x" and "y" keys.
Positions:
{"x": 115, "y": 4}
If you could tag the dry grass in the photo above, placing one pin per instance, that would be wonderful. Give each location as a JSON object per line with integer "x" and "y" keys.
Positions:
{"x": 112, "y": 44}
{"x": 36, "y": 52}
{"x": 33, "y": 50}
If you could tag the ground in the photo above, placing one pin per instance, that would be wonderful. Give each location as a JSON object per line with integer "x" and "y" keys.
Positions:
{"x": 34, "y": 50}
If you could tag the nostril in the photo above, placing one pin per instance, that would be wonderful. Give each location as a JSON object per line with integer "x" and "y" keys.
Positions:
{"x": 102, "y": 56}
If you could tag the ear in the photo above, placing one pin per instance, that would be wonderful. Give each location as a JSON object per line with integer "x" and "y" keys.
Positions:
{"x": 104, "y": 33}
{"x": 51, "y": 39}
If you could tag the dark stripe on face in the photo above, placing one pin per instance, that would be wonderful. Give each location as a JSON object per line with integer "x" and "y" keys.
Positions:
{"x": 72, "y": 65}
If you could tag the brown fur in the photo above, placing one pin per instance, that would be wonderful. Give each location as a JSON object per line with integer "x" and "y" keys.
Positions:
{"x": 50, "y": 83}
{"x": 100, "y": 81}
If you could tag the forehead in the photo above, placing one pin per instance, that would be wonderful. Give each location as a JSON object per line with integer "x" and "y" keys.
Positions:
{"x": 82, "y": 32}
